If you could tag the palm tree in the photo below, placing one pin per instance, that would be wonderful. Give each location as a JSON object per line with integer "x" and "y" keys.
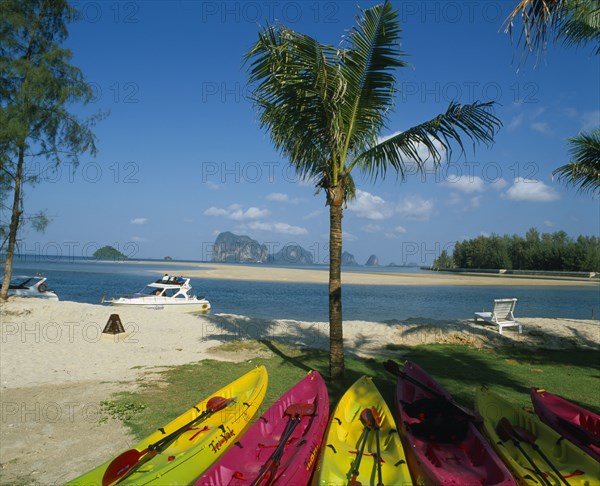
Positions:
{"x": 325, "y": 109}
{"x": 574, "y": 22}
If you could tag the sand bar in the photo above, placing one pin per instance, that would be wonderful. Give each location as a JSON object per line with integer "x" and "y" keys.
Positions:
{"x": 263, "y": 273}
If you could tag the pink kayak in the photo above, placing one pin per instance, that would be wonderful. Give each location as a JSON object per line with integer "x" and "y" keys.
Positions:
{"x": 441, "y": 442}
{"x": 573, "y": 422}
{"x": 282, "y": 446}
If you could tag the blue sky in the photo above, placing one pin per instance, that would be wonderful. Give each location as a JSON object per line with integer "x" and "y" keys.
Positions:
{"x": 181, "y": 156}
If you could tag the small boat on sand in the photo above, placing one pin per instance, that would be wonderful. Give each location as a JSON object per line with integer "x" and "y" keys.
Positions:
{"x": 167, "y": 293}
{"x": 28, "y": 286}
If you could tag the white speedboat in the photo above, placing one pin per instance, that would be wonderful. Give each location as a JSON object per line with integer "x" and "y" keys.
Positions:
{"x": 27, "y": 286}
{"x": 167, "y": 293}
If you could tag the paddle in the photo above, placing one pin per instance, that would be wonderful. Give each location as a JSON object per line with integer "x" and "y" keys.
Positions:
{"x": 525, "y": 436}
{"x": 295, "y": 411}
{"x": 394, "y": 368}
{"x": 366, "y": 417}
{"x": 377, "y": 422}
{"x": 505, "y": 431}
{"x": 129, "y": 461}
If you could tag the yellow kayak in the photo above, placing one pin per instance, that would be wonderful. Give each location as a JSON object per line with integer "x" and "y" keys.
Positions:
{"x": 502, "y": 422}
{"x": 345, "y": 438}
{"x": 179, "y": 452}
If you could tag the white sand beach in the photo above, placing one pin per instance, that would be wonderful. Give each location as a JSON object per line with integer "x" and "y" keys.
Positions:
{"x": 56, "y": 366}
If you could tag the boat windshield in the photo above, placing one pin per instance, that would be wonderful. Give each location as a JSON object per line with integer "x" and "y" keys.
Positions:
{"x": 150, "y": 291}
{"x": 21, "y": 282}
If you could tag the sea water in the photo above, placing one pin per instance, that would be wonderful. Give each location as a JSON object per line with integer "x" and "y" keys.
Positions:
{"x": 88, "y": 280}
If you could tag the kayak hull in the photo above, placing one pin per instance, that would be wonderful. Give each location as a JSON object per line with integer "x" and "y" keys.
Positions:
{"x": 465, "y": 460}
{"x": 572, "y": 421}
{"x": 198, "y": 447}
{"x": 575, "y": 465}
{"x": 343, "y": 439}
{"x": 245, "y": 461}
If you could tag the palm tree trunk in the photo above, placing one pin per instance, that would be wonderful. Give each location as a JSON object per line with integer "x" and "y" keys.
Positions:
{"x": 14, "y": 225}
{"x": 336, "y": 334}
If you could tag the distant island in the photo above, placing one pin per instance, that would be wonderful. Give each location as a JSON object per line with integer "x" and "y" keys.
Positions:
{"x": 168, "y": 258}
{"x": 232, "y": 248}
{"x": 109, "y": 253}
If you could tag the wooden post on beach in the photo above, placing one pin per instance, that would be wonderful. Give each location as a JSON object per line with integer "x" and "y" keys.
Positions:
{"x": 114, "y": 325}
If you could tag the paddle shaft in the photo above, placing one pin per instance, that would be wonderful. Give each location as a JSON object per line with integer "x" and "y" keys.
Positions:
{"x": 552, "y": 466}
{"x": 273, "y": 461}
{"x": 359, "y": 456}
{"x": 150, "y": 451}
{"x": 379, "y": 478}
{"x": 535, "y": 467}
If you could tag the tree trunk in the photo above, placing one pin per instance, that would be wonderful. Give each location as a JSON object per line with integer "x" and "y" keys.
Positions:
{"x": 14, "y": 225}
{"x": 336, "y": 334}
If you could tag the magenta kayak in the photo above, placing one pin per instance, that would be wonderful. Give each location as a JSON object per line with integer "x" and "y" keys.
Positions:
{"x": 570, "y": 420}
{"x": 441, "y": 442}
{"x": 282, "y": 446}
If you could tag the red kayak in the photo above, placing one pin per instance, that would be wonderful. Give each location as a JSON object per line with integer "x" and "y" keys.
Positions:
{"x": 282, "y": 446}
{"x": 573, "y": 422}
{"x": 441, "y": 442}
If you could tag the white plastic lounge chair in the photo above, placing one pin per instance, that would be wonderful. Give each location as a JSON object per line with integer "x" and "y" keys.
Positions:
{"x": 502, "y": 315}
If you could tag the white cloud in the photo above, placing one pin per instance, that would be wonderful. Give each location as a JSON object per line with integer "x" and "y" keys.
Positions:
{"x": 516, "y": 122}
{"x": 475, "y": 202}
{"x": 139, "y": 221}
{"x": 541, "y": 127}
{"x": 278, "y": 197}
{"x": 188, "y": 220}
{"x": 395, "y": 232}
{"x": 549, "y": 224}
{"x": 371, "y": 228}
{"x": 348, "y": 236}
{"x": 498, "y": 184}
{"x": 590, "y": 120}
{"x": 213, "y": 185}
{"x": 415, "y": 208}
{"x": 466, "y": 184}
{"x": 531, "y": 190}
{"x": 138, "y": 239}
{"x": 368, "y": 206}
{"x": 314, "y": 214}
{"x": 236, "y": 212}
{"x": 275, "y": 227}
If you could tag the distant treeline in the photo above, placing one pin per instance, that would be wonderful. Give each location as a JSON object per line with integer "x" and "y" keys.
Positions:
{"x": 546, "y": 251}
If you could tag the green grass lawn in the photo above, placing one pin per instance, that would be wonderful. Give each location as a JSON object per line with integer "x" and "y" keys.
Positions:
{"x": 461, "y": 369}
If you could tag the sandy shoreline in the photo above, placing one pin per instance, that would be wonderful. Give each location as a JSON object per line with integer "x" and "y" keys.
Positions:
{"x": 56, "y": 366}
{"x": 260, "y": 273}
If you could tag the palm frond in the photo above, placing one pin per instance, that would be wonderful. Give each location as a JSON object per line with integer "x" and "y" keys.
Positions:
{"x": 370, "y": 56}
{"x": 581, "y": 24}
{"x": 583, "y": 171}
{"x": 475, "y": 121}
{"x": 295, "y": 92}
{"x": 575, "y": 22}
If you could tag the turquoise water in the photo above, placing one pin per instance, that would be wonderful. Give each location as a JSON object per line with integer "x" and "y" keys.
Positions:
{"x": 87, "y": 280}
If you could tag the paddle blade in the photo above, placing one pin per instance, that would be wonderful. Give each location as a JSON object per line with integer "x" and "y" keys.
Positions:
{"x": 121, "y": 465}
{"x": 504, "y": 429}
{"x": 392, "y": 367}
{"x": 300, "y": 409}
{"x": 524, "y": 435}
{"x": 367, "y": 418}
{"x": 217, "y": 403}
{"x": 376, "y": 417}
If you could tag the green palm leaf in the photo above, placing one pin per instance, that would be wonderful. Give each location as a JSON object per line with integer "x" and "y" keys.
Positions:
{"x": 368, "y": 64}
{"x": 475, "y": 122}
{"x": 583, "y": 171}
